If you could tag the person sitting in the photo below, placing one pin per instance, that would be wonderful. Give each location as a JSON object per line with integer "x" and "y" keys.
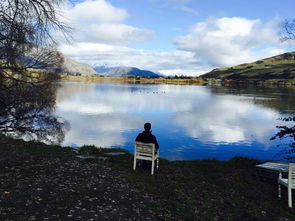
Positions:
{"x": 146, "y": 136}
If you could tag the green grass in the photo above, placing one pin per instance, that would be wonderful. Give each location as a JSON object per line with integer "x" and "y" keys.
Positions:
{"x": 275, "y": 69}
{"x": 210, "y": 189}
{"x": 185, "y": 190}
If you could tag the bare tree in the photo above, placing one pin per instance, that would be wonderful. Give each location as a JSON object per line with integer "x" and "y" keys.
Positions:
{"x": 28, "y": 65}
{"x": 26, "y": 37}
{"x": 288, "y": 30}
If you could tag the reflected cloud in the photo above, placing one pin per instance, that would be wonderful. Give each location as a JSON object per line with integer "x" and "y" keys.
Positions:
{"x": 85, "y": 109}
{"x": 112, "y": 98}
{"x": 100, "y": 113}
{"x": 185, "y": 117}
{"x": 70, "y": 89}
{"x": 227, "y": 119}
{"x": 100, "y": 130}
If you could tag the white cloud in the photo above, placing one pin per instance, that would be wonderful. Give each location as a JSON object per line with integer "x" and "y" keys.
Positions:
{"x": 100, "y": 37}
{"x": 113, "y": 34}
{"x": 100, "y": 22}
{"x": 231, "y": 41}
{"x": 181, "y": 5}
{"x": 96, "y": 11}
{"x": 166, "y": 62}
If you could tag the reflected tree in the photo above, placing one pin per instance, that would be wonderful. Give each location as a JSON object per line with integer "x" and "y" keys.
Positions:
{"x": 287, "y": 132}
{"x": 26, "y": 111}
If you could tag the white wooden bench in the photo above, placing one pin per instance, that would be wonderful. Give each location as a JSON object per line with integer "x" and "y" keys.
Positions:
{"x": 146, "y": 151}
{"x": 270, "y": 170}
{"x": 289, "y": 182}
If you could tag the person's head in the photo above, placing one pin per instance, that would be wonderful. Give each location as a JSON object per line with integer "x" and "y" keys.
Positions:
{"x": 147, "y": 126}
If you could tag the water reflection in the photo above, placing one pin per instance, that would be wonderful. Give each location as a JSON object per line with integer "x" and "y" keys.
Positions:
{"x": 103, "y": 130}
{"x": 280, "y": 99}
{"x": 287, "y": 132}
{"x": 190, "y": 122}
{"x": 227, "y": 119}
{"x": 26, "y": 111}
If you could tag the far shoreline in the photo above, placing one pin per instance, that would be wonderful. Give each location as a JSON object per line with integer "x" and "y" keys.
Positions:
{"x": 181, "y": 81}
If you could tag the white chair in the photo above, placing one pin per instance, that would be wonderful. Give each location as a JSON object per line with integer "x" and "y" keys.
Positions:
{"x": 289, "y": 183}
{"x": 146, "y": 151}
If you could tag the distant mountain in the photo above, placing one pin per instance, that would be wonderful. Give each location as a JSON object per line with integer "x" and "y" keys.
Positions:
{"x": 103, "y": 69}
{"x": 277, "y": 67}
{"x": 41, "y": 59}
{"x": 123, "y": 71}
{"x": 72, "y": 67}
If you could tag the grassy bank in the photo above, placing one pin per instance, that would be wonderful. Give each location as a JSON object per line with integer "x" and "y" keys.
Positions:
{"x": 182, "y": 190}
{"x": 135, "y": 80}
{"x": 184, "y": 81}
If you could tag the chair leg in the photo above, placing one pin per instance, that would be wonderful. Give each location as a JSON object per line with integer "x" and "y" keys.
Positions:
{"x": 134, "y": 163}
{"x": 153, "y": 165}
{"x": 157, "y": 163}
{"x": 279, "y": 190}
{"x": 290, "y": 197}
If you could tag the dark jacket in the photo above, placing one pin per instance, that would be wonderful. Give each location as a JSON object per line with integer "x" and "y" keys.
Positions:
{"x": 147, "y": 137}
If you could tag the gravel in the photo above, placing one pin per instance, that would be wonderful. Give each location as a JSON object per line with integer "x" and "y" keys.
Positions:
{"x": 35, "y": 188}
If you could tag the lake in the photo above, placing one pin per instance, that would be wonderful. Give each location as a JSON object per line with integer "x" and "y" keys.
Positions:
{"x": 190, "y": 122}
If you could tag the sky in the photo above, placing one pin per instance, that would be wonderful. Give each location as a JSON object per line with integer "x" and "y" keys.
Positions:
{"x": 175, "y": 37}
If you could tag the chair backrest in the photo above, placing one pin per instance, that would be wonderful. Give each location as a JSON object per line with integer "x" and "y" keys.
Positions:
{"x": 291, "y": 174}
{"x": 146, "y": 149}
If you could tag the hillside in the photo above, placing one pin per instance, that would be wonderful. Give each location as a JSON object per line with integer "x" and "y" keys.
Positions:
{"x": 72, "y": 67}
{"x": 131, "y": 71}
{"x": 37, "y": 59}
{"x": 277, "y": 68}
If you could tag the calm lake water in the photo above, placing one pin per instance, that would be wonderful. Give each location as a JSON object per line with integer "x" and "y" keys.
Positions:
{"x": 190, "y": 122}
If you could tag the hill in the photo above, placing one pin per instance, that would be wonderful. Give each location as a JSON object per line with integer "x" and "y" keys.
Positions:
{"x": 280, "y": 67}
{"x": 123, "y": 71}
{"x": 72, "y": 67}
{"x": 41, "y": 59}
{"x": 102, "y": 69}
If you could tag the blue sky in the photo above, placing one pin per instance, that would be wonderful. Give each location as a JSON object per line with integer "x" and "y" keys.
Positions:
{"x": 187, "y": 37}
